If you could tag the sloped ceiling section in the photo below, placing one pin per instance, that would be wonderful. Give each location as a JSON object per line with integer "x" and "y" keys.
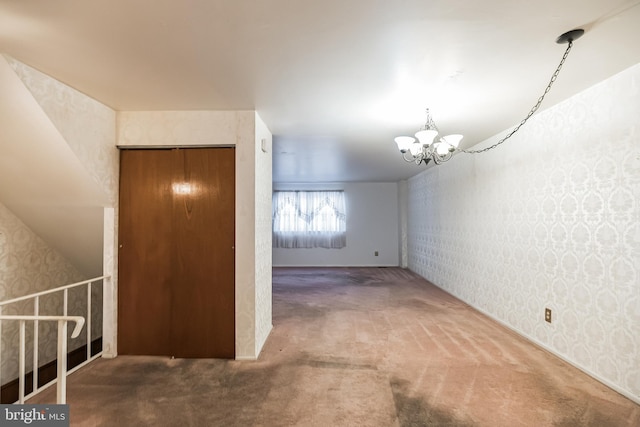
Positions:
{"x": 42, "y": 181}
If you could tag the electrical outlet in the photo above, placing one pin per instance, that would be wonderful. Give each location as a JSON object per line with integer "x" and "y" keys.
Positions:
{"x": 375, "y": 253}
{"x": 547, "y": 315}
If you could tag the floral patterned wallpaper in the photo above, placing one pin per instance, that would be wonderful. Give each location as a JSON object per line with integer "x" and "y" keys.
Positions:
{"x": 550, "y": 219}
{"x": 263, "y": 235}
{"x": 88, "y": 126}
{"x": 29, "y": 265}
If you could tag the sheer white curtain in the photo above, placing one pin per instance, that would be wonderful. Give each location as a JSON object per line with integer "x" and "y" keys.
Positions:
{"x": 309, "y": 219}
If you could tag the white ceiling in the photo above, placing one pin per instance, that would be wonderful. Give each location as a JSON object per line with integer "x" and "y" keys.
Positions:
{"x": 334, "y": 80}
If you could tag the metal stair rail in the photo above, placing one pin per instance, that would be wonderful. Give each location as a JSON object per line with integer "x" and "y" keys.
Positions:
{"x": 62, "y": 344}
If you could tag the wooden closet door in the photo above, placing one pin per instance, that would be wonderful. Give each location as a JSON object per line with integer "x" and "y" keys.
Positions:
{"x": 144, "y": 268}
{"x": 203, "y": 301}
{"x": 177, "y": 258}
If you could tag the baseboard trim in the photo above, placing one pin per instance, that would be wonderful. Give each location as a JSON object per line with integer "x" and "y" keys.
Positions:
{"x": 246, "y": 358}
{"x": 47, "y": 372}
{"x": 337, "y": 266}
{"x": 259, "y": 346}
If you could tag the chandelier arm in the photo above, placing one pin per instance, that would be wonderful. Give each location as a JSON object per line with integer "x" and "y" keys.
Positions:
{"x": 441, "y": 158}
{"x": 409, "y": 160}
{"x": 533, "y": 110}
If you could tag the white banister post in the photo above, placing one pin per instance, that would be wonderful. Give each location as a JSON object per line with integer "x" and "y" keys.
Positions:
{"x": 65, "y": 302}
{"x": 0, "y": 348}
{"x": 21, "y": 369}
{"x": 109, "y": 284}
{"x": 36, "y": 338}
{"x": 61, "y": 385}
{"x": 109, "y": 318}
{"x": 89, "y": 320}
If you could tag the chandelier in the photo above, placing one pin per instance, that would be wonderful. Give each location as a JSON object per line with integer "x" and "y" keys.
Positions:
{"x": 425, "y": 147}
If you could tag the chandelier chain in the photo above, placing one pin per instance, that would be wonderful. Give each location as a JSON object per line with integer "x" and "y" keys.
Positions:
{"x": 533, "y": 110}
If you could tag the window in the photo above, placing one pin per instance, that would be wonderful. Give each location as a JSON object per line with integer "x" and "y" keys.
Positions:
{"x": 309, "y": 219}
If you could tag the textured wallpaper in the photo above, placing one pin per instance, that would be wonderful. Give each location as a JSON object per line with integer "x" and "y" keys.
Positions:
{"x": 181, "y": 128}
{"x": 245, "y": 237}
{"x": 28, "y": 265}
{"x": 88, "y": 126}
{"x": 549, "y": 219}
{"x": 263, "y": 258}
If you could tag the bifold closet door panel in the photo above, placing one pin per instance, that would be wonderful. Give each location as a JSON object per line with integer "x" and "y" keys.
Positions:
{"x": 145, "y": 250}
{"x": 203, "y": 301}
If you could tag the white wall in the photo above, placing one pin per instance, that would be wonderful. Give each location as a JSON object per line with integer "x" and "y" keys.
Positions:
{"x": 372, "y": 225}
{"x": 549, "y": 219}
{"x": 403, "y": 204}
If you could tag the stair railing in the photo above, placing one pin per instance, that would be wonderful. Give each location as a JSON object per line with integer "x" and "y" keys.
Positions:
{"x": 61, "y": 378}
{"x": 62, "y": 344}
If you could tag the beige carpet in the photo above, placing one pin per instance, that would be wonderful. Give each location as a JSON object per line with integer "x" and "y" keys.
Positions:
{"x": 355, "y": 347}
